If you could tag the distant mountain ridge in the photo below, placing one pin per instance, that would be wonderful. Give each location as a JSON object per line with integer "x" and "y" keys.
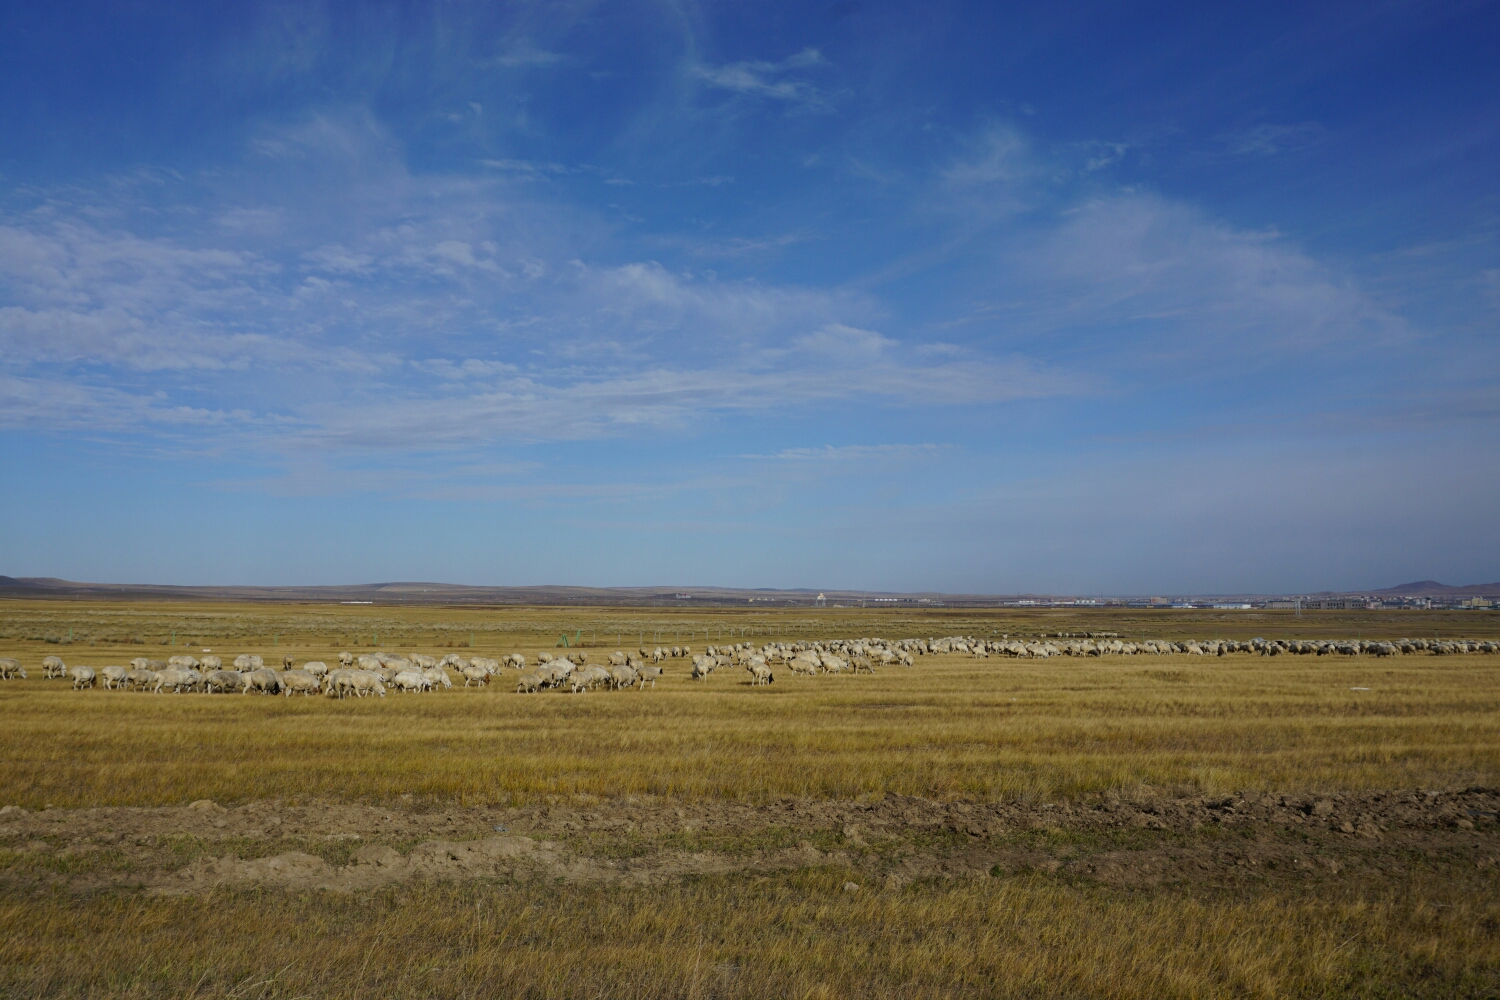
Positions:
{"x": 1431, "y": 588}
{"x": 417, "y": 592}
{"x": 456, "y": 593}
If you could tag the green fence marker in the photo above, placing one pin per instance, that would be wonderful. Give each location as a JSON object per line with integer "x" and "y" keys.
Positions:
{"x": 471, "y": 640}
{"x": 174, "y": 638}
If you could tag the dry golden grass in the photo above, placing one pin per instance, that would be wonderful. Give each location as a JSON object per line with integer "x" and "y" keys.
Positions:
{"x": 792, "y": 936}
{"x": 950, "y": 727}
{"x": 115, "y": 628}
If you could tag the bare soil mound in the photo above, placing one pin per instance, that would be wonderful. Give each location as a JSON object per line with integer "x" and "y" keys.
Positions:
{"x": 1142, "y": 841}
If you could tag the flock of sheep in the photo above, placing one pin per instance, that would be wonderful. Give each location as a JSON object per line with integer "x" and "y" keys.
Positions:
{"x": 1212, "y": 647}
{"x": 362, "y": 675}
{"x": 375, "y": 673}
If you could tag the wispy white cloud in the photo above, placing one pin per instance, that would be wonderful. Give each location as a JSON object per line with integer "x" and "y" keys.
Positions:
{"x": 1001, "y": 156}
{"x": 522, "y": 53}
{"x": 769, "y": 79}
{"x": 470, "y": 368}
{"x": 530, "y": 167}
{"x": 857, "y": 453}
{"x": 527, "y": 408}
{"x": 252, "y": 221}
{"x": 1141, "y": 272}
{"x": 50, "y": 404}
{"x": 1268, "y": 139}
{"x": 740, "y": 246}
{"x": 552, "y": 351}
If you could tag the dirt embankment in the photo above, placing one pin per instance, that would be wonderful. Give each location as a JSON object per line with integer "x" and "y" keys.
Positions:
{"x": 1374, "y": 837}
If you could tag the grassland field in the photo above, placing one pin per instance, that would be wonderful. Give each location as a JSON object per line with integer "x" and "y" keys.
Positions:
{"x": 1120, "y": 826}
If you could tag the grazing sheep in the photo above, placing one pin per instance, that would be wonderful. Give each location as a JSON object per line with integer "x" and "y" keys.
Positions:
{"x": 555, "y": 673}
{"x": 288, "y": 662}
{"x": 411, "y": 680}
{"x": 223, "y": 681}
{"x": 759, "y": 672}
{"x": 113, "y": 678}
{"x": 436, "y": 676}
{"x": 263, "y": 680}
{"x": 294, "y": 681}
{"x": 83, "y": 677}
{"x": 617, "y": 659}
{"x": 316, "y": 667}
{"x": 478, "y": 676}
{"x": 804, "y": 663}
{"x": 622, "y": 677}
{"x": 346, "y": 659}
{"x": 649, "y": 674}
{"x": 176, "y": 680}
{"x": 516, "y": 660}
{"x": 528, "y": 684}
{"x": 339, "y": 683}
{"x": 366, "y": 682}
{"x": 140, "y": 679}
{"x": 11, "y": 667}
{"x": 210, "y": 663}
{"x": 53, "y": 666}
{"x": 184, "y": 661}
{"x": 588, "y": 677}
{"x": 422, "y": 661}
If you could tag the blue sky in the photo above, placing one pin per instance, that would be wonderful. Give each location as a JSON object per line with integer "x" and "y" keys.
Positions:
{"x": 1081, "y": 298}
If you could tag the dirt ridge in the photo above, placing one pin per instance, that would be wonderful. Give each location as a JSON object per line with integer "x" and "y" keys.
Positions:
{"x": 1143, "y": 839}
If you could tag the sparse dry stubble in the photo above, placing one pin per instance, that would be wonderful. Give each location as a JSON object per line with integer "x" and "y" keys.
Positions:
{"x": 952, "y": 727}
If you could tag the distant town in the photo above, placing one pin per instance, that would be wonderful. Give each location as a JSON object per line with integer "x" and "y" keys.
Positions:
{"x": 1355, "y": 603}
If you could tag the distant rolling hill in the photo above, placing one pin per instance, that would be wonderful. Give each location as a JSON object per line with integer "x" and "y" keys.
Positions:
{"x": 1431, "y": 588}
{"x": 448, "y": 593}
{"x": 42, "y": 587}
